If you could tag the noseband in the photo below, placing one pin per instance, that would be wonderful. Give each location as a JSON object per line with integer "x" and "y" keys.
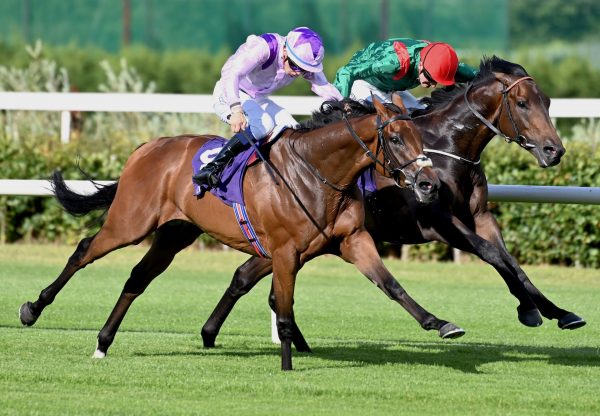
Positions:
{"x": 520, "y": 139}
{"x": 422, "y": 161}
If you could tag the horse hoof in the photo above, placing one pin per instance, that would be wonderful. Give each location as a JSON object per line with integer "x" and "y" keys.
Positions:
{"x": 449, "y": 331}
{"x": 571, "y": 321}
{"x": 530, "y": 318}
{"x": 208, "y": 339}
{"x": 99, "y": 354}
{"x": 27, "y": 317}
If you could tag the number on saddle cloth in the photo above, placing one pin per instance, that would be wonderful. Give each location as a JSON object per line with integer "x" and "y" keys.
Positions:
{"x": 229, "y": 189}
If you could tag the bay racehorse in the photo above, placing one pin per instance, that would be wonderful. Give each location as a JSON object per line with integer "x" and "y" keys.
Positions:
{"x": 456, "y": 126}
{"x": 314, "y": 208}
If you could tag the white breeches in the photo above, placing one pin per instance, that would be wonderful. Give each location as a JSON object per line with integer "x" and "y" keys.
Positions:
{"x": 362, "y": 90}
{"x": 264, "y": 116}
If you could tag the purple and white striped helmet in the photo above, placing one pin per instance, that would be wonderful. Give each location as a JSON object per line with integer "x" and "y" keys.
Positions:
{"x": 305, "y": 48}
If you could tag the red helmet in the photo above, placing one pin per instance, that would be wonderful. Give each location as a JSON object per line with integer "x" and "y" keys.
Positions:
{"x": 440, "y": 61}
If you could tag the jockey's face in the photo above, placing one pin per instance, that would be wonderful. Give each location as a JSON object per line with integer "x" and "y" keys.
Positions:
{"x": 425, "y": 79}
{"x": 290, "y": 66}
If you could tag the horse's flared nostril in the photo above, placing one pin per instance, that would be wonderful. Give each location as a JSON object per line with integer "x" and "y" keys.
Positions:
{"x": 426, "y": 187}
{"x": 550, "y": 151}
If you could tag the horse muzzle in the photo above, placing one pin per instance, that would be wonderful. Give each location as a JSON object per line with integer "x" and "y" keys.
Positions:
{"x": 548, "y": 154}
{"x": 424, "y": 183}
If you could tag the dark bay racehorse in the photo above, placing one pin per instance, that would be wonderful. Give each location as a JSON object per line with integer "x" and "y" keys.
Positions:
{"x": 456, "y": 127}
{"x": 316, "y": 209}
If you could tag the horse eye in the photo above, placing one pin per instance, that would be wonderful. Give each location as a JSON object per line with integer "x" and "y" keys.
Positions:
{"x": 397, "y": 140}
{"x": 522, "y": 104}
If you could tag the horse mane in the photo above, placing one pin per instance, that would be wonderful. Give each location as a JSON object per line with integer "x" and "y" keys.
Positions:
{"x": 332, "y": 111}
{"x": 487, "y": 67}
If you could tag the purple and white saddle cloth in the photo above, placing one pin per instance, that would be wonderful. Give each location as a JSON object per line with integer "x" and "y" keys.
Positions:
{"x": 230, "y": 189}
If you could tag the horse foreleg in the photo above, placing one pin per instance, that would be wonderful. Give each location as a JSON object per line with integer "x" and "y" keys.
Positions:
{"x": 285, "y": 268}
{"x": 359, "y": 249}
{"x": 487, "y": 228}
{"x": 455, "y": 233}
{"x": 169, "y": 240}
{"x": 244, "y": 279}
{"x": 297, "y": 337}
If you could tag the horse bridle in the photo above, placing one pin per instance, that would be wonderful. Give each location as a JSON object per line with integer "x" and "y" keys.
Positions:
{"x": 422, "y": 161}
{"x": 520, "y": 139}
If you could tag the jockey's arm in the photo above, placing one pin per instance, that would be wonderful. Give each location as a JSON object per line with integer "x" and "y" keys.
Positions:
{"x": 322, "y": 87}
{"x": 248, "y": 56}
{"x": 347, "y": 74}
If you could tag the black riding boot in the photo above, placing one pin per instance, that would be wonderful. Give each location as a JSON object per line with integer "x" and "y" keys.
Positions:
{"x": 210, "y": 174}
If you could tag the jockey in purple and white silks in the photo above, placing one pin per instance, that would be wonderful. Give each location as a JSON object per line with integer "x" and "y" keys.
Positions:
{"x": 260, "y": 66}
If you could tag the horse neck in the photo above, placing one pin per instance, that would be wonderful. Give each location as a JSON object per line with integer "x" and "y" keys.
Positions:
{"x": 454, "y": 128}
{"x": 335, "y": 153}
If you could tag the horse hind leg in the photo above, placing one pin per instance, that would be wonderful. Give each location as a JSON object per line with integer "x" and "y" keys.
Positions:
{"x": 244, "y": 279}
{"x": 108, "y": 239}
{"x": 29, "y": 312}
{"x": 169, "y": 240}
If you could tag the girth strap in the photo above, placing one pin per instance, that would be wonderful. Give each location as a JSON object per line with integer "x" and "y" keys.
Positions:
{"x": 241, "y": 215}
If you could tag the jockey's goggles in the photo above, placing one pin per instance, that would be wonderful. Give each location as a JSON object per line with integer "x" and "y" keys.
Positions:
{"x": 293, "y": 66}
{"x": 428, "y": 77}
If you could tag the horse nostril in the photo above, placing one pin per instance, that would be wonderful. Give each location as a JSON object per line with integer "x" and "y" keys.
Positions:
{"x": 426, "y": 186}
{"x": 550, "y": 151}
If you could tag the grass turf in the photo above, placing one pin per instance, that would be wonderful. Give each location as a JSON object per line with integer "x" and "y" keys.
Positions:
{"x": 369, "y": 356}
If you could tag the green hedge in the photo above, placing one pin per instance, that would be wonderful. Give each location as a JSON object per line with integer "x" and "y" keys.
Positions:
{"x": 566, "y": 234}
{"x": 560, "y": 69}
{"x": 535, "y": 233}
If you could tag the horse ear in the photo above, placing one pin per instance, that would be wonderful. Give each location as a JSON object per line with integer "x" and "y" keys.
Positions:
{"x": 381, "y": 110}
{"x": 397, "y": 100}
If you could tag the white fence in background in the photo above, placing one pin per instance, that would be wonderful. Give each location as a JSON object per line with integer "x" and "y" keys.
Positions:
{"x": 202, "y": 103}
{"x": 64, "y": 103}
{"x": 507, "y": 193}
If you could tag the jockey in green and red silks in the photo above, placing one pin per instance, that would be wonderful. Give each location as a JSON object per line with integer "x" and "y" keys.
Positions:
{"x": 397, "y": 65}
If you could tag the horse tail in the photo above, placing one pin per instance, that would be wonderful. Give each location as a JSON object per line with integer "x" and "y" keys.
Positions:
{"x": 81, "y": 204}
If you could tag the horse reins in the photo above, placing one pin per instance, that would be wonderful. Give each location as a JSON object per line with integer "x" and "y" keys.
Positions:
{"x": 519, "y": 138}
{"x": 314, "y": 170}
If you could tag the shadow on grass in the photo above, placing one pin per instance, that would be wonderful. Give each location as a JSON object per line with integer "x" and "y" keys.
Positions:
{"x": 467, "y": 358}
{"x": 464, "y": 357}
